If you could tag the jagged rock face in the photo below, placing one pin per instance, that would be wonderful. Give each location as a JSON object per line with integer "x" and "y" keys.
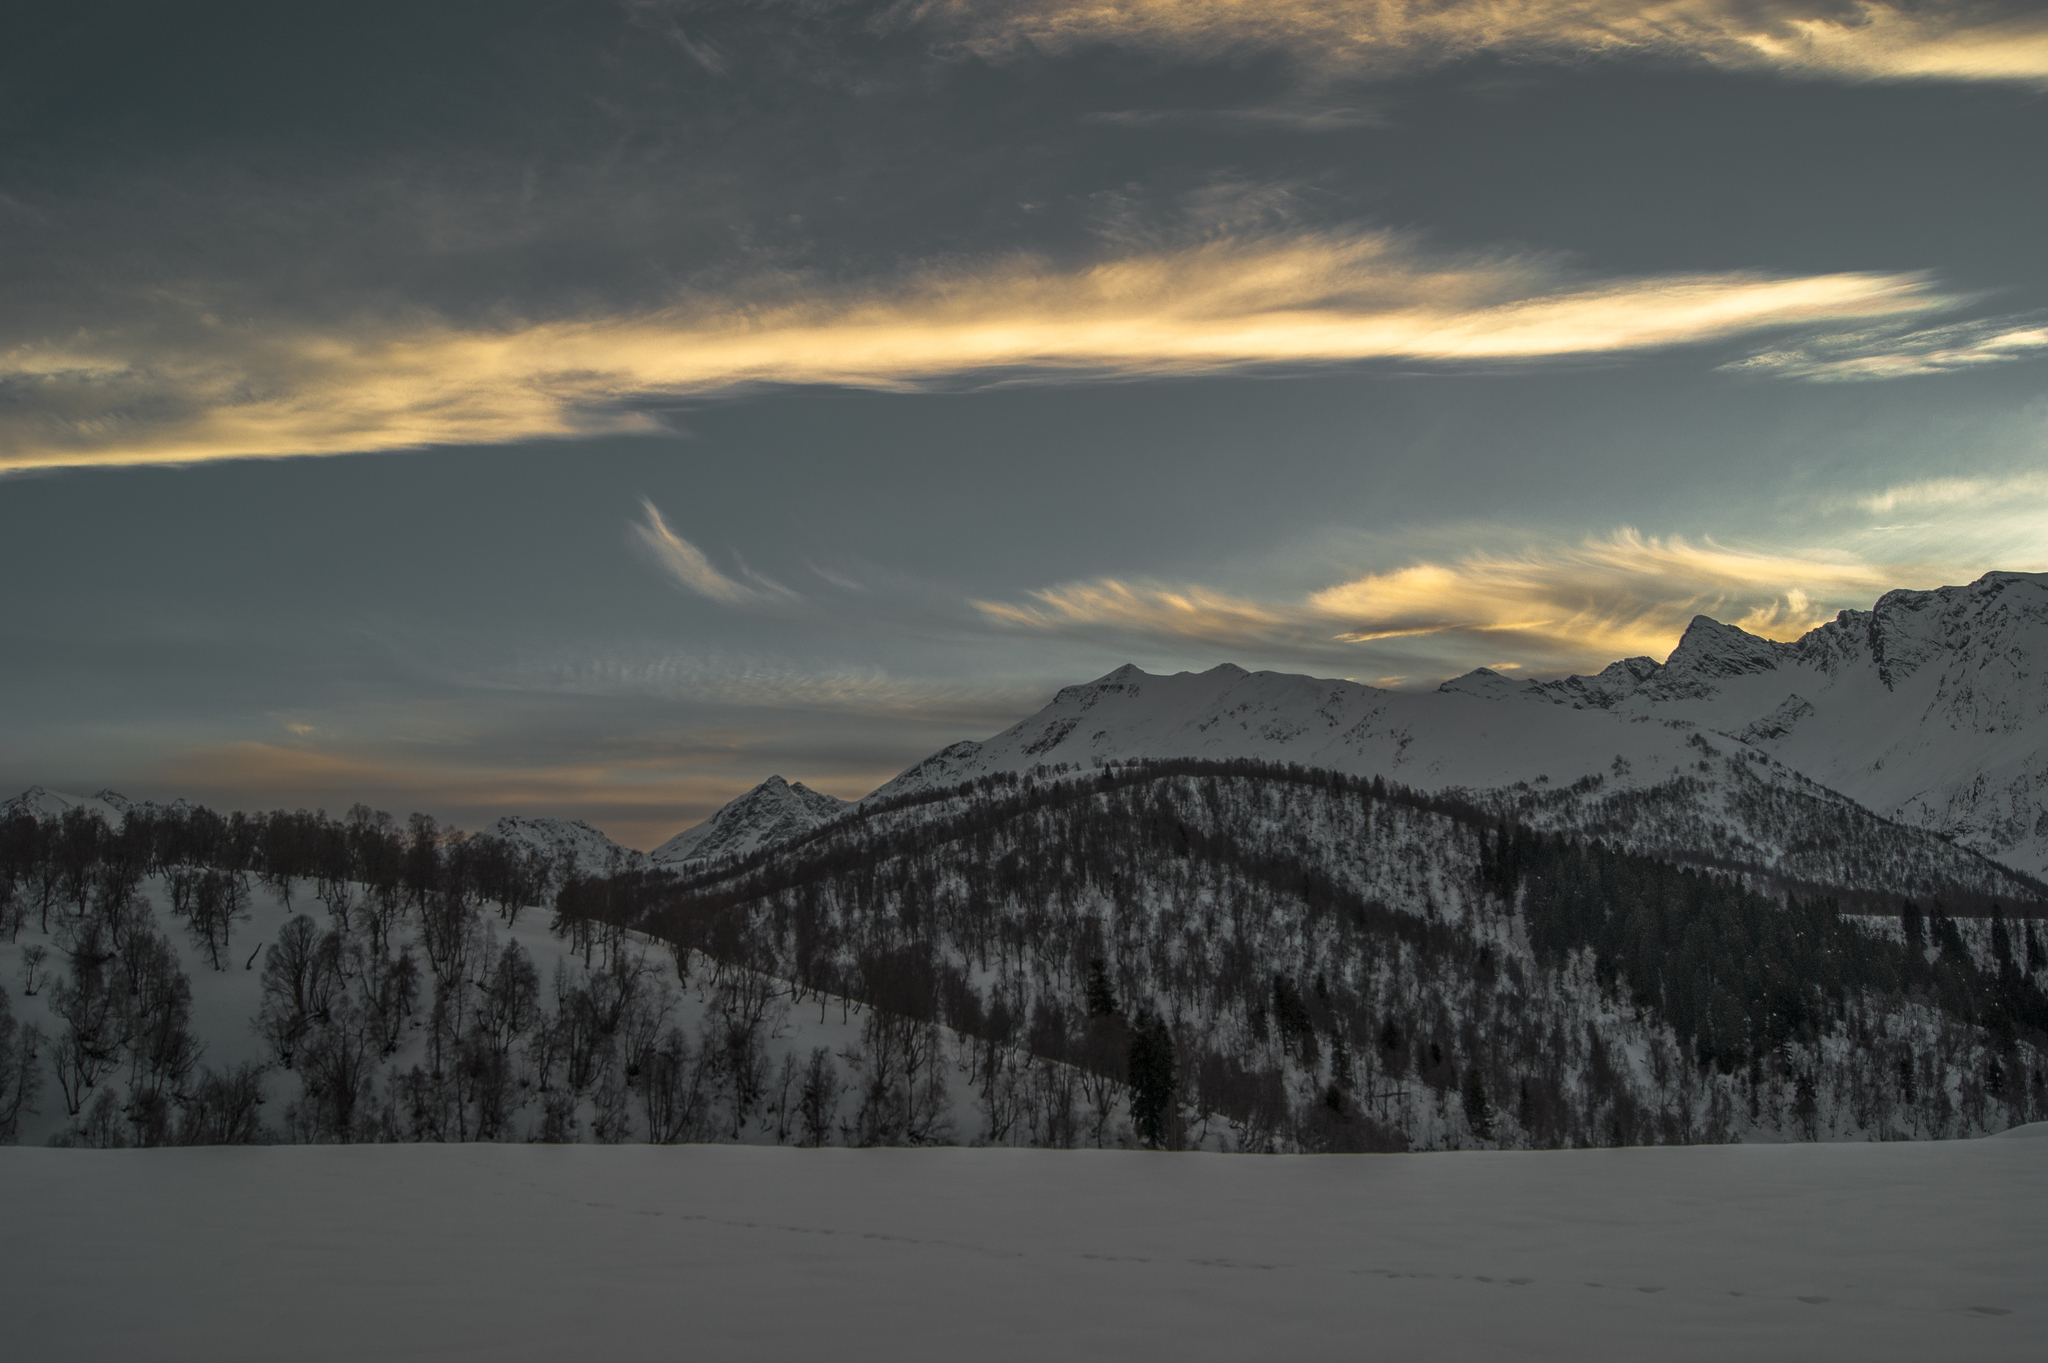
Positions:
{"x": 1709, "y": 653}
{"x": 773, "y": 812}
{"x": 1928, "y": 708}
{"x": 1778, "y": 722}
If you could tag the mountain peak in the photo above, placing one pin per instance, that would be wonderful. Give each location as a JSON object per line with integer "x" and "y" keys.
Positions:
{"x": 774, "y": 811}
{"x": 1487, "y": 684}
{"x": 1710, "y": 649}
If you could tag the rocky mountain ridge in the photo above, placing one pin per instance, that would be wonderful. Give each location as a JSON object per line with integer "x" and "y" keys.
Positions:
{"x": 1928, "y": 708}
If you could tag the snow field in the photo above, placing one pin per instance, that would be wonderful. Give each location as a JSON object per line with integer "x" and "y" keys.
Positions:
{"x": 1853, "y": 1252}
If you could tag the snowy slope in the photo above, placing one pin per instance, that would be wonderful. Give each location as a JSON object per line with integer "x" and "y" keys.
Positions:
{"x": 1430, "y": 741}
{"x": 772, "y": 812}
{"x": 1929, "y": 708}
{"x": 1870, "y": 1253}
{"x": 1653, "y": 783}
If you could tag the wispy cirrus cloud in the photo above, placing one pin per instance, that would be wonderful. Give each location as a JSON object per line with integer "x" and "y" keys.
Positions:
{"x": 1968, "y": 40}
{"x": 1551, "y": 607}
{"x": 1956, "y": 494}
{"x": 686, "y": 564}
{"x": 210, "y": 389}
{"x": 1896, "y": 352}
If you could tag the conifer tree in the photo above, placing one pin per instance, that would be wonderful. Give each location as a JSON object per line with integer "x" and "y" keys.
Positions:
{"x": 1152, "y": 1078}
{"x": 1478, "y": 1109}
{"x": 1101, "y": 996}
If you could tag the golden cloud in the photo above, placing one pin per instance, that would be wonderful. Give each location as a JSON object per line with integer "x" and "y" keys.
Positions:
{"x": 217, "y": 391}
{"x": 1570, "y": 606}
{"x": 1873, "y": 40}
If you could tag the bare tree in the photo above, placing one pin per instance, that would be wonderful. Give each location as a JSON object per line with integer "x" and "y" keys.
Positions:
{"x": 819, "y": 1103}
{"x": 224, "y": 1108}
{"x": 33, "y": 975}
{"x": 211, "y": 902}
{"x": 21, "y": 1071}
{"x": 90, "y": 1045}
{"x": 677, "y": 1088}
{"x": 301, "y": 977}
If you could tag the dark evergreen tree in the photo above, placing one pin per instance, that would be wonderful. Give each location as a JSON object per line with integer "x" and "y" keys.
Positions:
{"x": 1478, "y": 1108}
{"x": 1153, "y": 1079}
{"x": 1101, "y": 995}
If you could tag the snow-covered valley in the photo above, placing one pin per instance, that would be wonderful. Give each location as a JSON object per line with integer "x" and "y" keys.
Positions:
{"x": 1863, "y": 1253}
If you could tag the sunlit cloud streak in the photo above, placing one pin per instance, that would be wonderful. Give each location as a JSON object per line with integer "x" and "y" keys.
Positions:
{"x": 1893, "y": 353}
{"x": 1873, "y": 40}
{"x": 1953, "y": 494}
{"x": 1225, "y": 305}
{"x": 686, "y": 563}
{"x": 1555, "y": 607}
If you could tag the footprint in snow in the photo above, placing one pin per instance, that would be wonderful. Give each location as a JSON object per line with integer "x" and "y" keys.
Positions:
{"x": 1813, "y": 1301}
{"x": 1991, "y": 1310}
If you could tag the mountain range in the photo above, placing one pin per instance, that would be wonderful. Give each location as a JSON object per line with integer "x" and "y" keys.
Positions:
{"x": 1899, "y": 748}
{"x": 1225, "y": 909}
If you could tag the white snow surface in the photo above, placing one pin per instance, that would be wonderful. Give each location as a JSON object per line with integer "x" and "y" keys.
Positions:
{"x": 773, "y": 812}
{"x": 1427, "y": 740}
{"x": 1856, "y": 1252}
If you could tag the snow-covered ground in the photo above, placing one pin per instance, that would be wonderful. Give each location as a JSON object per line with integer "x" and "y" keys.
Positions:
{"x": 1864, "y": 1252}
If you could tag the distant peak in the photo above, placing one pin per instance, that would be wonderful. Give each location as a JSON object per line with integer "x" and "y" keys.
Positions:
{"x": 1717, "y": 650}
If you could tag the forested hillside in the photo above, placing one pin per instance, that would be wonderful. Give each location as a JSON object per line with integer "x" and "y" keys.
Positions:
{"x": 1230, "y": 955}
{"x": 197, "y": 979}
{"x": 1334, "y": 963}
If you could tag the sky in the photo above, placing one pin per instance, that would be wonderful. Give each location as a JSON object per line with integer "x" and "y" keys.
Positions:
{"x": 591, "y": 409}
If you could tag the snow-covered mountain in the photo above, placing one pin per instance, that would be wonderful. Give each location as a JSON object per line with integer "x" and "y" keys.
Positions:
{"x": 772, "y": 812}
{"x": 1431, "y": 741}
{"x": 570, "y": 844}
{"x": 1872, "y": 743}
{"x": 110, "y": 805}
{"x": 1927, "y": 708}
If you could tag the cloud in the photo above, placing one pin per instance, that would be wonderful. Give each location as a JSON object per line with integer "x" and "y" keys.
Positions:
{"x": 1549, "y": 608}
{"x": 1230, "y": 303}
{"x": 1894, "y": 353}
{"x": 1311, "y": 118}
{"x": 1838, "y": 39}
{"x": 686, "y": 563}
{"x": 1956, "y": 493}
